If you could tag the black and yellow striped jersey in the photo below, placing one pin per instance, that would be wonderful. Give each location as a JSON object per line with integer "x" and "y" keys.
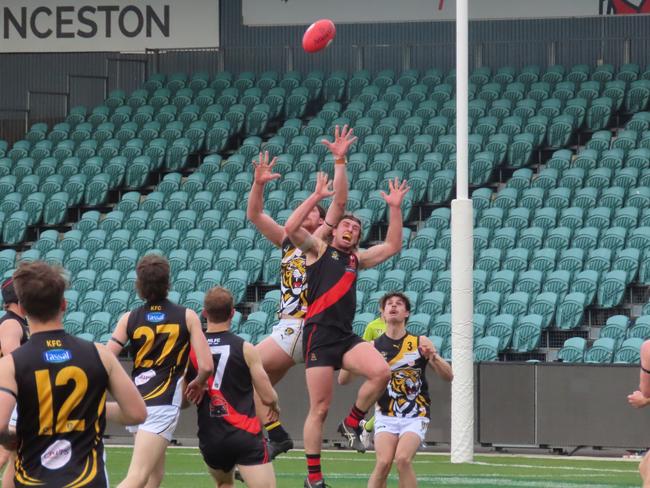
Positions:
{"x": 407, "y": 393}
{"x": 61, "y": 399}
{"x": 293, "y": 284}
{"x": 160, "y": 342}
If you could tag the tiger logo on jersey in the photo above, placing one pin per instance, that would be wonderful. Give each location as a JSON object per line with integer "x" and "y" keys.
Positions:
{"x": 404, "y": 390}
{"x": 292, "y": 284}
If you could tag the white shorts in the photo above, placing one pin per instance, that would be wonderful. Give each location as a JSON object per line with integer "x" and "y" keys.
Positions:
{"x": 288, "y": 335}
{"x": 13, "y": 420}
{"x": 401, "y": 425}
{"x": 161, "y": 420}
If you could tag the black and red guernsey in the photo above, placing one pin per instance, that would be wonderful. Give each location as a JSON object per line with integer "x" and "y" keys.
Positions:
{"x": 228, "y": 406}
{"x": 332, "y": 294}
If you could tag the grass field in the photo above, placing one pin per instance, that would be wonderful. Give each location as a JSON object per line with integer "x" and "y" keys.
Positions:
{"x": 344, "y": 469}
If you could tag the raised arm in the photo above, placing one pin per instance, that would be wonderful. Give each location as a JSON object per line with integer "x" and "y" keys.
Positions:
{"x": 260, "y": 379}
{"x": 343, "y": 139}
{"x": 119, "y": 338}
{"x": 300, "y": 237}
{"x": 393, "y": 242}
{"x": 255, "y": 210}
{"x": 196, "y": 387}
{"x": 129, "y": 407}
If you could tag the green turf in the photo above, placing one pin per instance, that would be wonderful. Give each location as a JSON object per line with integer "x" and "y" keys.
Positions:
{"x": 344, "y": 469}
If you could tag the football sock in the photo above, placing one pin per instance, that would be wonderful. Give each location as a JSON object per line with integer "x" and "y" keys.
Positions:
{"x": 370, "y": 424}
{"x": 313, "y": 467}
{"x": 355, "y": 416}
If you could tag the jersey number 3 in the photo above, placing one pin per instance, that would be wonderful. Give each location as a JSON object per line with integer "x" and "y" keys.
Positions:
{"x": 64, "y": 423}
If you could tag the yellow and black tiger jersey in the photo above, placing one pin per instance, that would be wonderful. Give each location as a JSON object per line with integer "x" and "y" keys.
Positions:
{"x": 293, "y": 285}
{"x": 407, "y": 394}
{"x": 160, "y": 346}
{"x": 61, "y": 412}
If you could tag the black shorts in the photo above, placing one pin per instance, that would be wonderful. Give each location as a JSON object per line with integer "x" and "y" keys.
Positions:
{"x": 223, "y": 452}
{"x": 325, "y": 346}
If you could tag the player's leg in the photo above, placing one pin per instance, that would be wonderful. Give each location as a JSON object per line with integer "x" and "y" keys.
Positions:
{"x": 158, "y": 473}
{"x": 364, "y": 360}
{"x": 224, "y": 479}
{"x": 148, "y": 449}
{"x": 319, "y": 388}
{"x": 10, "y": 471}
{"x": 644, "y": 469}
{"x": 258, "y": 476}
{"x": 385, "y": 446}
{"x": 407, "y": 447}
{"x": 276, "y": 362}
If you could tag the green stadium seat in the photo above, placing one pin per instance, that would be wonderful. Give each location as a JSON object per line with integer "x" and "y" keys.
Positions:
{"x": 210, "y": 279}
{"x": 74, "y": 322}
{"x": 15, "y": 228}
{"x": 489, "y": 260}
{"x": 629, "y": 351}
{"x": 501, "y": 326}
{"x": 486, "y": 349}
{"x": 516, "y": 304}
{"x": 573, "y": 350}
{"x": 602, "y": 351}
{"x": 570, "y": 311}
{"x": 611, "y": 289}
{"x": 502, "y": 282}
{"x": 527, "y": 334}
{"x": 488, "y": 303}
{"x": 92, "y": 301}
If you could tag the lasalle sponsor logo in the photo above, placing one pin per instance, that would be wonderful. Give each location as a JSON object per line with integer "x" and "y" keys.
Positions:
{"x": 57, "y": 356}
{"x": 156, "y": 317}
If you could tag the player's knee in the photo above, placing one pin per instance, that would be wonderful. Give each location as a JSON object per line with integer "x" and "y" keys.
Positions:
{"x": 320, "y": 410}
{"x": 383, "y": 467}
{"x": 382, "y": 375}
{"x": 403, "y": 462}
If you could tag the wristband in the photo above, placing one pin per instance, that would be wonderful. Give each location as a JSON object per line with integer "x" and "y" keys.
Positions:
{"x": 328, "y": 224}
{"x": 645, "y": 370}
{"x": 342, "y": 160}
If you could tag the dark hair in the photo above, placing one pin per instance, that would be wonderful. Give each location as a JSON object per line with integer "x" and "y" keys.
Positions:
{"x": 218, "y": 304}
{"x": 40, "y": 289}
{"x": 398, "y": 294}
{"x": 321, "y": 211}
{"x": 152, "y": 278}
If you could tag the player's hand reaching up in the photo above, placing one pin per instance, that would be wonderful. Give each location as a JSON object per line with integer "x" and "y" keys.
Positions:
{"x": 323, "y": 186}
{"x": 343, "y": 139}
{"x": 264, "y": 169}
{"x": 396, "y": 192}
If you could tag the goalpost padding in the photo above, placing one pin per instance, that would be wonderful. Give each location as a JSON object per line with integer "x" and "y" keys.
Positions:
{"x": 462, "y": 261}
{"x": 462, "y": 332}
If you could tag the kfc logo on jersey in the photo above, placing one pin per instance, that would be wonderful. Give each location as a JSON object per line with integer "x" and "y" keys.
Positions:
{"x": 57, "y": 455}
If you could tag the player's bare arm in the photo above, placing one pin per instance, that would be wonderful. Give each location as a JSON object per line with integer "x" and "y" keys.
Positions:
{"x": 119, "y": 338}
{"x": 8, "y": 391}
{"x": 641, "y": 397}
{"x": 129, "y": 407}
{"x": 393, "y": 243}
{"x": 196, "y": 388}
{"x": 263, "y": 173}
{"x": 311, "y": 245}
{"x": 343, "y": 140}
{"x": 10, "y": 334}
{"x": 436, "y": 362}
{"x": 261, "y": 382}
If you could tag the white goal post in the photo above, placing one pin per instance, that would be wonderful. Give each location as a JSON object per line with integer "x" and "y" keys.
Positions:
{"x": 462, "y": 263}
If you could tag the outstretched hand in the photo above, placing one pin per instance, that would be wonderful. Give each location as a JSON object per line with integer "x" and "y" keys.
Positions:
{"x": 396, "y": 192}
{"x": 343, "y": 139}
{"x": 264, "y": 168}
{"x": 323, "y": 186}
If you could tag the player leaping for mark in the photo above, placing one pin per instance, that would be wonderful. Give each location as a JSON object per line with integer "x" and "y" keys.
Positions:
{"x": 328, "y": 340}
{"x": 283, "y": 348}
